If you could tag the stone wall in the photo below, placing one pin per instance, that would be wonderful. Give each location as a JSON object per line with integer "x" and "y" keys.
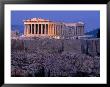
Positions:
{"x": 91, "y": 47}
{"x": 87, "y": 46}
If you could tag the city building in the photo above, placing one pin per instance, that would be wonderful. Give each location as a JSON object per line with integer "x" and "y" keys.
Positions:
{"x": 38, "y": 27}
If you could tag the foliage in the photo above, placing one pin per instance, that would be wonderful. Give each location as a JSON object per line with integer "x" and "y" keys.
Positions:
{"x": 55, "y": 58}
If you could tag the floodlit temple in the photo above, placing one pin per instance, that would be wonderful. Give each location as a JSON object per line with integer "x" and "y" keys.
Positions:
{"x": 37, "y": 27}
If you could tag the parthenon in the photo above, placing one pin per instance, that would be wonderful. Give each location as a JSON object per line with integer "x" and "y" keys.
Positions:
{"x": 37, "y": 27}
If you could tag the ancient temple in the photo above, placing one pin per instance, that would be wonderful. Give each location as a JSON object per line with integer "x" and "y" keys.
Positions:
{"x": 38, "y": 27}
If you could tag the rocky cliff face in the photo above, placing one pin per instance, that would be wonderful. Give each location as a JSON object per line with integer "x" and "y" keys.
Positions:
{"x": 91, "y": 47}
{"x": 51, "y": 57}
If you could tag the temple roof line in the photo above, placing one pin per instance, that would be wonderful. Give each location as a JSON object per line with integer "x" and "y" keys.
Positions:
{"x": 37, "y": 19}
{"x": 45, "y": 20}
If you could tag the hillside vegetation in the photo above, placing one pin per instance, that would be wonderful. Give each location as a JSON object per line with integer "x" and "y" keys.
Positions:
{"x": 55, "y": 58}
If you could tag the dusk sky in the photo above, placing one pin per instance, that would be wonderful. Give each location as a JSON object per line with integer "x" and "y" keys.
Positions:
{"x": 90, "y": 18}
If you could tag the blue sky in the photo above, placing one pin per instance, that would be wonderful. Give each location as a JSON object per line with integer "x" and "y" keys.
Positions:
{"x": 90, "y": 18}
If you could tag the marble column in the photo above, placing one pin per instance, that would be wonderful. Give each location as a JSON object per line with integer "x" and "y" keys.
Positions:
{"x": 34, "y": 29}
{"x": 44, "y": 28}
{"x": 49, "y": 32}
{"x": 78, "y": 30}
{"x": 47, "y": 29}
{"x": 41, "y": 29}
{"x": 28, "y": 29}
{"x": 50, "y": 29}
{"x": 82, "y": 30}
{"x": 38, "y": 29}
{"x": 31, "y": 28}
{"x": 73, "y": 31}
{"x": 55, "y": 29}
{"x": 25, "y": 29}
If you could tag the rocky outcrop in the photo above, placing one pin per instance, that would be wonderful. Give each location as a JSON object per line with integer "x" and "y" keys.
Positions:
{"x": 51, "y": 58}
{"x": 91, "y": 47}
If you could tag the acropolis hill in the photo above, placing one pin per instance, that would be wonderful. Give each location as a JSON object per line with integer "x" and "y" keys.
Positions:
{"x": 38, "y": 27}
{"x": 54, "y": 49}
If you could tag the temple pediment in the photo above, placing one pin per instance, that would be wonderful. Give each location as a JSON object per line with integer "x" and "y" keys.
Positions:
{"x": 37, "y": 20}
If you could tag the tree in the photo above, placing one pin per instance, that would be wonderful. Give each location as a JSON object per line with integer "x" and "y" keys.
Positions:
{"x": 98, "y": 34}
